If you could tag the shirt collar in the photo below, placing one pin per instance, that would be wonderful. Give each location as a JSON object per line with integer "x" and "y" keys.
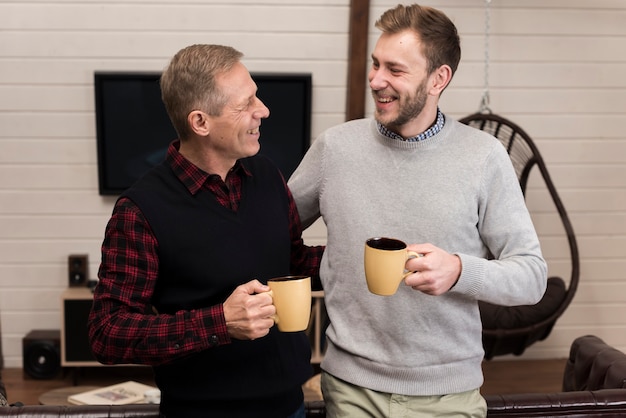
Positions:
{"x": 190, "y": 175}
{"x": 428, "y": 133}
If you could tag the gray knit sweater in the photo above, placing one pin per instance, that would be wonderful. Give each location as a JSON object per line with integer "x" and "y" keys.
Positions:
{"x": 456, "y": 190}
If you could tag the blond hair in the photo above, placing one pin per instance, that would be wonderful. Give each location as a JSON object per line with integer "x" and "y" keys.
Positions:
{"x": 188, "y": 83}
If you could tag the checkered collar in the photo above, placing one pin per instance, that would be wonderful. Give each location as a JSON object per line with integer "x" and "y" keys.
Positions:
{"x": 430, "y": 132}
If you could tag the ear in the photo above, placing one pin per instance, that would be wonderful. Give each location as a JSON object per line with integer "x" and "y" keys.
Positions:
{"x": 199, "y": 122}
{"x": 440, "y": 79}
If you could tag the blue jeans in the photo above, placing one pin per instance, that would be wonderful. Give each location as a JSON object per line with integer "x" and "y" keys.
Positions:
{"x": 300, "y": 413}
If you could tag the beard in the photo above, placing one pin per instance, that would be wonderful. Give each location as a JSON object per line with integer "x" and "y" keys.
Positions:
{"x": 408, "y": 108}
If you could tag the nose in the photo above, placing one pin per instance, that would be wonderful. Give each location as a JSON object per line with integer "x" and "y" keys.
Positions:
{"x": 262, "y": 111}
{"x": 376, "y": 79}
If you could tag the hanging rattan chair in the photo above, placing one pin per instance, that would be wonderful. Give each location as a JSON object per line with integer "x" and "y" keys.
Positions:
{"x": 510, "y": 330}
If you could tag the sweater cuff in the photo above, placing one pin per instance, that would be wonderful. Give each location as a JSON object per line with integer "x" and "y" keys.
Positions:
{"x": 471, "y": 278}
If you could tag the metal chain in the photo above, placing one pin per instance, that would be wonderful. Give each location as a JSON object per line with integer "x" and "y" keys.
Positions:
{"x": 484, "y": 103}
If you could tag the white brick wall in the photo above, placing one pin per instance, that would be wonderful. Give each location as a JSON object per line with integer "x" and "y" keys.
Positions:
{"x": 556, "y": 68}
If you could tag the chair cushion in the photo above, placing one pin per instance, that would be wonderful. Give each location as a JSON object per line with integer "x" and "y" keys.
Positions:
{"x": 510, "y": 317}
{"x": 616, "y": 375}
{"x": 608, "y": 370}
{"x": 594, "y": 365}
{"x": 581, "y": 357}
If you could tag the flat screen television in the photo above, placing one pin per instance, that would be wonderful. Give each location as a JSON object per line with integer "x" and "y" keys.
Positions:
{"x": 133, "y": 130}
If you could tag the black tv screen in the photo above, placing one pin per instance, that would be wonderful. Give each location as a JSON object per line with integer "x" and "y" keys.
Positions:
{"x": 133, "y": 130}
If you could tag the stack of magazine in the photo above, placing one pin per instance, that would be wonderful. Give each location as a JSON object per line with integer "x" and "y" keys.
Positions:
{"x": 119, "y": 394}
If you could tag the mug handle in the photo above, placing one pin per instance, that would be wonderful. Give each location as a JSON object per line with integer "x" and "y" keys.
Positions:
{"x": 411, "y": 254}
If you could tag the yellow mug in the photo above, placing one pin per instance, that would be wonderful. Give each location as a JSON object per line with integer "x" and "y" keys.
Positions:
{"x": 384, "y": 264}
{"x": 292, "y": 299}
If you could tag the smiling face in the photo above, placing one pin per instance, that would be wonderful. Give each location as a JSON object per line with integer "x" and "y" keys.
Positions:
{"x": 400, "y": 83}
{"x": 234, "y": 133}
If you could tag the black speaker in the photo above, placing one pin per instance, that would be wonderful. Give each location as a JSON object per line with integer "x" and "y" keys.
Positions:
{"x": 41, "y": 353}
{"x": 78, "y": 267}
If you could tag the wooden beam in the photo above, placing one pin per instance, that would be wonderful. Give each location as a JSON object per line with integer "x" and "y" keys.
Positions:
{"x": 357, "y": 59}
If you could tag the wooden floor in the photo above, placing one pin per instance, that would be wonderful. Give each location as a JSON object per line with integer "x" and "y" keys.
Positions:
{"x": 25, "y": 389}
{"x": 523, "y": 376}
{"x": 510, "y": 376}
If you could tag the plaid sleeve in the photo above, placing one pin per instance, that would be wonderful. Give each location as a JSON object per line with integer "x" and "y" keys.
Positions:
{"x": 123, "y": 326}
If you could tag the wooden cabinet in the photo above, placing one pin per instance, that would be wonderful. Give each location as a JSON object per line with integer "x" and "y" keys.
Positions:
{"x": 75, "y": 347}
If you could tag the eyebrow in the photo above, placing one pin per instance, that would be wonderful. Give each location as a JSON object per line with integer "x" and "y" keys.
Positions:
{"x": 391, "y": 63}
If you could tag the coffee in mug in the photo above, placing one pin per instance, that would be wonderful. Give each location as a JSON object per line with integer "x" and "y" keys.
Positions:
{"x": 292, "y": 299}
{"x": 384, "y": 264}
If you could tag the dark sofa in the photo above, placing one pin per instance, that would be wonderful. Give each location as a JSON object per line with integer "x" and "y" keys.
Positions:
{"x": 594, "y": 385}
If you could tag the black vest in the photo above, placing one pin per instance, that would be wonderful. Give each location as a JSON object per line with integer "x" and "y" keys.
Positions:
{"x": 205, "y": 251}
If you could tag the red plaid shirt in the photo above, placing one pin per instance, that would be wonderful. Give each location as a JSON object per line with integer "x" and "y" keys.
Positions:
{"x": 120, "y": 330}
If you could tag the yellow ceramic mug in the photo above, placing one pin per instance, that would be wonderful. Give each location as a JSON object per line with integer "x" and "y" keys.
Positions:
{"x": 292, "y": 299}
{"x": 384, "y": 264}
